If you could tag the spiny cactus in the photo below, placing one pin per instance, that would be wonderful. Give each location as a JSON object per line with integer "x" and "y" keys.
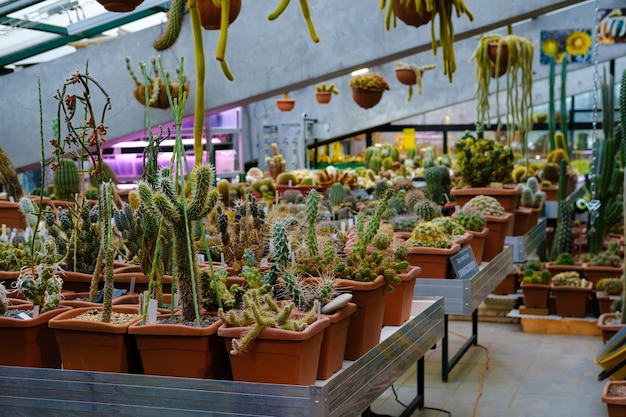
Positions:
{"x": 427, "y": 210}
{"x": 311, "y": 219}
{"x": 43, "y": 289}
{"x": 336, "y": 194}
{"x": 608, "y": 257}
{"x": 470, "y": 220}
{"x": 8, "y": 177}
{"x": 179, "y": 215}
{"x": 450, "y": 225}
{"x": 569, "y": 278}
{"x": 430, "y": 235}
{"x": 405, "y": 223}
{"x": 486, "y": 205}
{"x": 66, "y": 180}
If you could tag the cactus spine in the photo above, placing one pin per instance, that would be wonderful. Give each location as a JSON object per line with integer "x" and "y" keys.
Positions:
{"x": 66, "y": 180}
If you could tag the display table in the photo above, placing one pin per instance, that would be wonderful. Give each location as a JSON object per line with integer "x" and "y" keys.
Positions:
{"x": 526, "y": 244}
{"x": 45, "y": 392}
{"x": 462, "y": 297}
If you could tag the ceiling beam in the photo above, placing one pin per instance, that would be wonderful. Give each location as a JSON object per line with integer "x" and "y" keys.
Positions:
{"x": 29, "y": 24}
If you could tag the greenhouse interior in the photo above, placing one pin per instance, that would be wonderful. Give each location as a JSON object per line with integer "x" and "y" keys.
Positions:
{"x": 347, "y": 208}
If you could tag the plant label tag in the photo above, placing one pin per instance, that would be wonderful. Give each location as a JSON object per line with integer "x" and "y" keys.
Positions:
{"x": 131, "y": 289}
{"x": 464, "y": 263}
{"x": 351, "y": 222}
{"x": 24, "y": 316}
{"x": 35, "y": 312}
{"x": 152, "y": 311}
{"x": 176, "y": 299}
{"x": 200, "y": 259}
{"x": 12, "y": 199}
{"x": 343, "y": 226}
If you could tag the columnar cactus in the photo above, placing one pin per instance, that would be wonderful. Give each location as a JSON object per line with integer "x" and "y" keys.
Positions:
{"x": 43, "y": 288}
{"x": 66, "y": 180}
{"x": 8, "y": 176}
{"x": 179, "y": 214}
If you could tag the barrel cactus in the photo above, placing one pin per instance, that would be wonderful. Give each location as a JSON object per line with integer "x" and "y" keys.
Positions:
{"x": 486, "y": 205}
{"x": 66, "y": 180}
{"x": 430, "y": 235}
{"x": 471, "y": 220}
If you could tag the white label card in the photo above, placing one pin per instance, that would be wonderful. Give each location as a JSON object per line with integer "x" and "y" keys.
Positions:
{"x": 152, "y": 311}
{"x": 24, "y": 316}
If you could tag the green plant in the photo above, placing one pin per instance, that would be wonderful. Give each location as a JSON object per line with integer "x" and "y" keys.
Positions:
{"x": 612, "y": 286}
{"x": 66, "y": 180}
{"x": 608, "y": 257}
{"x": 519, "y": 80}
{"x": 405, "y": 223}
{"x": 323, "y": 88}
{"x": 536, "y": 276}
{"x": 8, "y": 177}
{"x": 369, "y": 80}
{"x": 427, "y": 210}
{"x": 470, "y": 220}
{"x": 486, "y": 205}
{"x": 261, "y": 311}
{"x": 430, "y": 235}
{"x": 569, "y": 278}
{"x": 565, "y": 258}
{"x": 481, "y": 161}
{"x": 450, "y": 225}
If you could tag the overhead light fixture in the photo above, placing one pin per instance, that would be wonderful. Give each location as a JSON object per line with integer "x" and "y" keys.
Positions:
{"x": 360, "y": 71}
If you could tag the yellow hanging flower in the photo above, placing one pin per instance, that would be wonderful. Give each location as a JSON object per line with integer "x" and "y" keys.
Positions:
{"x": 578, "y": 43}
{"x": 549, "y": 47}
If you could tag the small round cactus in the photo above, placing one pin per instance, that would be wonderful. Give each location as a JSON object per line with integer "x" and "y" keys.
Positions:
{"x": 430, "y": 235}
{"x": 486, "y": 205}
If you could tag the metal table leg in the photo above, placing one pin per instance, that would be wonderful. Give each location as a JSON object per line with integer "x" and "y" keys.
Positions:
{"x": 448, "y": 364}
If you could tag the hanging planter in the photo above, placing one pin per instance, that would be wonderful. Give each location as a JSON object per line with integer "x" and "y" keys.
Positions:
{"x": 324, "y": 93}
{"x": 411, "y": 74}
{"x": 368, "y": 89}
{"x": 210, "y": 14}
{"x": 120, "y": 6}
{"x": 157, "y": 91}
{"x": 498, "y": 53}
{"x": 408, "y": 13}
{"x": 285, "y": 103}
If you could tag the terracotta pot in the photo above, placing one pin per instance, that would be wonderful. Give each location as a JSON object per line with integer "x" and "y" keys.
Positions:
{"x": 96, "y": 346}
{"x": 521, "y": 226}
{"x": 616, "y": 405}
{"x": 297, "y": 353}
{"x": 605, "y": 301}
{"x": 11, "y": 215}
{"x": 366, "y": 324}
{"x": 554, "y": 269}
{"x": 120, "y": 5}
{"x": 406, "y": 75}
{"x": 78, "y": 300}
{"x": 210, "y": 15}
{"x": 499, "y": 229}
{"x": 534, "y": 217}
{"x": 508, "y": 285}
{"x": 77, "y": 281}
{"x": 334, "y": 343}
{"x": 285, "y": 104}
{"x": 199, "y": 351}
{"x": 323, "y": 97}
{"x": 608, "y": 329}
{"x": 367, "y": 98}
{"x": 405, "y": 11}
{"x": 478, "y": 243}
{"x": 508, "y": 196}
{"x": 29, "y": 342}
{"x": 434, "y": 262}
{"x": 161, "y": 101}
{"x": 552, "y": 192}
{"x": 498, "y": 68}
{"x": 596, "y": 273}
{"x": 400, "y": 299}
{"x": 535, "y": 295}
{"x": 571, "y": 301}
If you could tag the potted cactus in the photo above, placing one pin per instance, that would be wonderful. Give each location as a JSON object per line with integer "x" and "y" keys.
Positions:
{"x": 614, "y": 396}
{"x": 530, "y": 205}
{"x": 10, "y": 214}
{"x": 483, "y": 167}
{"x": 474, "y": 223}
{"x": 368, "y": 89}
{"x": 323, "y": 92}
{"x": 535, "y": 287}
{"x": 499, "y": 222}
{"x": 571, "y": 294}
{"x": 606, "y": 264}
{"x": 430, "y": 247}
{"x": 608, "y": 290}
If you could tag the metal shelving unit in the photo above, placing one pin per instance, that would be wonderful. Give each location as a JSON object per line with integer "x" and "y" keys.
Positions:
{"x": 44, "y": 392}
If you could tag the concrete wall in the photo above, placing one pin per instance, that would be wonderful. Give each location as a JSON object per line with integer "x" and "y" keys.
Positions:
{"x": 269, "y": 58}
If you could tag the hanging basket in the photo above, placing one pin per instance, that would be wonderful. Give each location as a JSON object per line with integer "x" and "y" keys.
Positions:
{"x": 119, "y": 5}
{"x": 503, "y": 66}
{"x": 161, "y": 101}
{"x": 367, "y": 98}
{"x": 407, "y": 13}
{"x": 323, "y": 97}
{"x": 211, "y": 15}
{"x": 406, "y": 75}
{"x": 285, "y": 104}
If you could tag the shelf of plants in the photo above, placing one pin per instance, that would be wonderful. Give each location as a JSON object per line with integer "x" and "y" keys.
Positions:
{"x": 39, "y": 391}
{"x": 526, "y": 244}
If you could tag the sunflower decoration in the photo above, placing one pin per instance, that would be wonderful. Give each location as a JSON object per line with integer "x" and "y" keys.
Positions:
{"x": 578, "y": 43}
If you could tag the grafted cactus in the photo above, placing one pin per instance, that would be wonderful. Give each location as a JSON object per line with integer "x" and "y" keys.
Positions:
{"x": 179, "y": 215}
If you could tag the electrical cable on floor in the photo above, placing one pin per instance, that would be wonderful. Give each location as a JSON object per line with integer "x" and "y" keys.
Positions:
{"x": 395, "y": 394}
{"x": 482, "y": 374}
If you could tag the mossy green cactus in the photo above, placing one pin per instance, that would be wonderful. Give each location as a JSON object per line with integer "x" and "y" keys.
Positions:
{"x": 450, "y": 225}
{"x": 470, "y": 220}
{"x": 486, "y": 205}
{"x": 481, "y": 161}
{"x": 336, "y": 194}
{"x": 66, "y": 180}
{"x": 565, "y": 258}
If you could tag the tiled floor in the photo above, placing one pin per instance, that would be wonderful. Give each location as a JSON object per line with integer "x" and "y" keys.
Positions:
{"x": 528, "y": 375}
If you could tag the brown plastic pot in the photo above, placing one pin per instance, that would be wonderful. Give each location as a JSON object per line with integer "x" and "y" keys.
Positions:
{"x": 211, "y": 15}
{"x": 616, "y": 405}
{"x": 334, "y": 343}
{"x": 406, "y": 12}
{"x": 434, "y": 262}
{"x": 478, "y": 243}
{"x": 400, "y": 299}
{"x": 571, "y": 301}
{"x": 367, "y": 98}
{"x": 535, "y": 295}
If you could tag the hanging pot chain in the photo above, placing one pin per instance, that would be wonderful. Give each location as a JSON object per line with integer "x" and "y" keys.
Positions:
{"x": 594, "y": 205}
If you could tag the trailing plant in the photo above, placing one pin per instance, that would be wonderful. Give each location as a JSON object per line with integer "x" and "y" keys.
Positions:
{"x": 432, "y": 8}
{"x": 419, "y": 72}
{"x": 519, "y": 81}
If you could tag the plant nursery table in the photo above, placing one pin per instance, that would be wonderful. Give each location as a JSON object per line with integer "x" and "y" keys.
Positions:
{"x": 462, "y": 297}
{"x": 349, "y": 392}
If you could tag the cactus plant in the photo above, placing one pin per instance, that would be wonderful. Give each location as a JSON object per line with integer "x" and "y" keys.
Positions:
{"x": 430, "y": 235}
{"x": 608, "y": 257}
{"x": 470, "y": 220}
{"x": 486, "y": 205}
{"x": 481, "y": 161}
{"x": 427, "y": 210}
{"x": 569, "y": 278}
{"x": 43, "y": 289}
{"x": 66, "y": 180}
{"x": 8, "y": 176}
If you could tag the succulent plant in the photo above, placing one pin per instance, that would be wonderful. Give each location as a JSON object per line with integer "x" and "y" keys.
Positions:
{"x": 565, "y": 258}
{"x": 612, "y": 286}
{"x": 536, "y": 276}
{"x": 369, "y": 80}
{"x": 404, "y": 223}
{"x": 569, "y": 278}
{"x": 470, "y": 220}
{"x": 430, "y": 235}
{"x": 486, "y": 205}
{"x": 427, "y": 210}
{"x": 482, "y": 161}
{"x": 609, "y": 257}
{"x": 450, "y": 225}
